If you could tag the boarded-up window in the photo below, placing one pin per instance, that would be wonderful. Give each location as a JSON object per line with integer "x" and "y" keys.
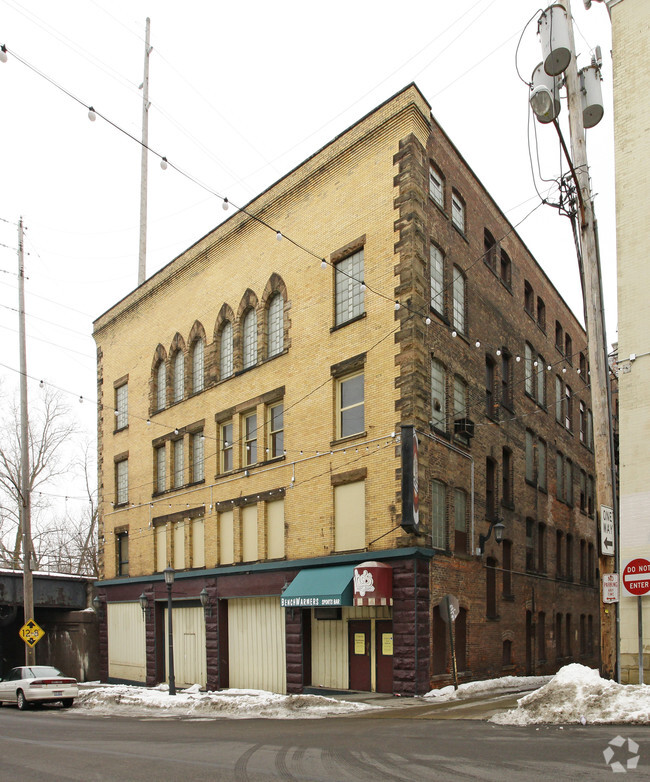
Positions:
{"x": 249, "y": 533}
{"x": 179, "y": 546}
{"x": 226, "y": 538}
{"x": 350, "y": 516}
{"x": 275, "y": 529}
{"x": 161, "y": 548}
{"x": 198, "y": 543}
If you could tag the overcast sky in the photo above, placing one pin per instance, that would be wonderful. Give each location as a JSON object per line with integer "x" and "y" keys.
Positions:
{"x": 240, "y": 94}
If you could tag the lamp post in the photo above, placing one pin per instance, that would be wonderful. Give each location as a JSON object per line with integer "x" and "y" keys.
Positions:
{"x": 168, "y": 572}
{"x": 204, "y": 597}
{"x": 498, "y": 526}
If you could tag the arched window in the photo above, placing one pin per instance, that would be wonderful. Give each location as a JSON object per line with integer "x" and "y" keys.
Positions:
{"x": 226, "y": 351}
{"x": 458, "y": 294}
{"x": 198, "y": 365}
{"x": 250, "y": 339}
{"x": 275, "y": 325}
{"x": 161, "y": 386}
{"x": 179, "y": 376}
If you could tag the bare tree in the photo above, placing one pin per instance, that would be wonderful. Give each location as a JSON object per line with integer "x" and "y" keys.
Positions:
{"x": 51, "y": 427}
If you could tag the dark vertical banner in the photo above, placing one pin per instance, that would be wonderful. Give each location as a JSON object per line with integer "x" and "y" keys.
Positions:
{"x": 410, "y": 480}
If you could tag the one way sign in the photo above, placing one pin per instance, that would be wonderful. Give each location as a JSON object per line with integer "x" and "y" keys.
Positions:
{"x": 607, "y": 548}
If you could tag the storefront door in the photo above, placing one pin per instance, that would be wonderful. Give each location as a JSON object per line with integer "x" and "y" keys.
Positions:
{"x": 359, "y": 652}
{"x": 384, "y": 655}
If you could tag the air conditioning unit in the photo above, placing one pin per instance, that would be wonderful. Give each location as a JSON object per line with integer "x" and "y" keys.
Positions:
{"x": 464, "y": 426}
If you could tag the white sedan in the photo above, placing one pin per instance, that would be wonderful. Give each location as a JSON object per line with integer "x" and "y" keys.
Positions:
{"x": 37, "y": 684}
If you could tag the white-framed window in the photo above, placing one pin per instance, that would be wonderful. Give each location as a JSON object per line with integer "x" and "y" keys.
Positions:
{"x": 198, "y": 365}
{"x": 226, "y": 351}
{"x": 437, "y": 262}
{"x": 161, "y": 386}
{"x": 436, "y": 190}
{"x": 458, "y": 294}
{"x": 250, "y": 439}
{"x": 438, "y": 515}
{"x": 348, "y": 282}
{"x": 122, "y": 482}
{"x": 350, "y": 405}
{"x": 458, "y": 212}
{"x": 250, "y": 339}
{"x": 438, "y": 395}
{"x": 161, "y": 469}
{"x": 559, "y": 400}
{"x": 276, "y": 430}
{"x": 275, "y": 323}
{"x": 179, "y": 376}
{"x": 179, "y": 463}
{"x": 226, "y": 447}
{"x": 198, "y": 472}
{"x": 541, "y": 381}
{"x": 529, "y": 375}
{"x": 122, "y": 406}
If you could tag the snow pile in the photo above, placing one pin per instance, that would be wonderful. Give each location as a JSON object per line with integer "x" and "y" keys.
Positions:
{"x": 192, "y": 702}
{"x": 502, "y": 685}
{"x": 577, "y": 694}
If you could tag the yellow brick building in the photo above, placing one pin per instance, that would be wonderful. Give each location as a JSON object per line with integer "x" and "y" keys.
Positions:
{"x": 253, "y": 395}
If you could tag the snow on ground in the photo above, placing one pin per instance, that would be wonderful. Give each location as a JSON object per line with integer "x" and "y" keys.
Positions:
{"x": 488, "y": 687}
{"x": 235, "y": 704}
{"x": 577, "y": 694}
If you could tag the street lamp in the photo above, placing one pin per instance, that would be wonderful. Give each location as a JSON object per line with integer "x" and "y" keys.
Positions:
{"x": 498, "y": 526}
{"x": 144, "y": 605}
{"x": 168, "y": 572}
{"x": 205, "y": 602}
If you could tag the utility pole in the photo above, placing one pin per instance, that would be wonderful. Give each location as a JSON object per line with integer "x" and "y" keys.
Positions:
{"x": 142, "y": 263}
{"x": 25, "y": 499}
{"x": 596, "y": 338}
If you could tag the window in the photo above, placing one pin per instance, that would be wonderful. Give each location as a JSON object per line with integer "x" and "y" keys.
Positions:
{"x": 198, "y": 366}
{"x": 160, "y": 543}
{"x": 507, "y": 653}
{"x": 559, "y": 475}
{"x": 507, "y": 568}
{"x": 506, "y": 380}
{"x": 559, "y": 649}
{"x": 568, "y": 348}
{"x": 582, "y": 561}
{"x": 559, "y": 400}
{"x": 179, "y": 463}
{"x": 276, "y": 430}
{"x": 541, "y": 548}
{"x": 541, "y": 313}
{"x": 491, "y": 407}
{"x": 583, "y": 635}
{"x": 161, "y": 469}
{"x": 583, "y": 491}
{"x": 122, "y": 482}
{"x": 226, "y": 351}
{"x": 348, "y": 282}
{"x": 438, "y": 396}
{"x": 250, "y": 339}
{"x": 590, "y": 635}
{"x": 590, "y": 495}
{"x": 529, "y": 298}
{"x": 530, "y": 544}
{"x": 179, "y": 376}
{"x": 506, "y": 475}
{"x": 559, "y": 336}
{"x": 590, "y": 430}
{"x": 541, "y": 381}
{"x": 541, "y": 636}
{"x": 491, "y": 588}
{"x": 530, "y": 456}
{"x": 198, "y": 542}
{"x": 489, "y": 250}
{"x": 460, "y": 398}
{"x": 250, "y": 439}
{"x": 351, "y": 405}
{"x": 436, "y": 190}
{"x": 529, "y": 381}
{"x": 178, "y": 545}
{"x": 569, "y": 557}
{"x": 458, "y": 212}
{"x": 438, "y": 515}
{"x": 275, "y": 529}
{"x": 122, "y": 406}
{"x": 583, "y": 366}
{"x": 567, "y": 636}
{"x": 197, "y": 468}
{"x": 460, "y": 521}
{"x": 458, "y": 296}
{"x": 437, "y": 271}
{"x": 122, "y": 546}
{"x": 559, "y": 554}
{"x": 582, "y": 421}
{"x": 249, "y": 533}
{"x": 506, "y": 269}
{"x": 490, "y": 488}
{"x": 275, "y": 325}
{"x": 161, "y": 386}
{"x": 541, "y": 464}
{"x": 568, "y": 409}
{"x": 226, "y": 447}
{"x": 591, "y": 569}
{"x": 568, "y": 481}
{"x": 350, "y": 516}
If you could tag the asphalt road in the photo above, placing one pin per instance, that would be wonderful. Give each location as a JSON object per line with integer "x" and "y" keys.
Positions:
{"x": 53, "y": 744}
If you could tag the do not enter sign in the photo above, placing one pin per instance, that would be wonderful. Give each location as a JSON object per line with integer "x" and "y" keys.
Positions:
{"x": 636, "y": 577}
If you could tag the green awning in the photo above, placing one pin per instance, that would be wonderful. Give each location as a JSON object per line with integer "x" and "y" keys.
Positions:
{"x": 320, "y": 586}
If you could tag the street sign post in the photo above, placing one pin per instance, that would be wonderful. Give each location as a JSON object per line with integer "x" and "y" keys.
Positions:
{"x": 607, "y": 543}
{"x": 610, "y": 588}
{"x": 31, "y": 633}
